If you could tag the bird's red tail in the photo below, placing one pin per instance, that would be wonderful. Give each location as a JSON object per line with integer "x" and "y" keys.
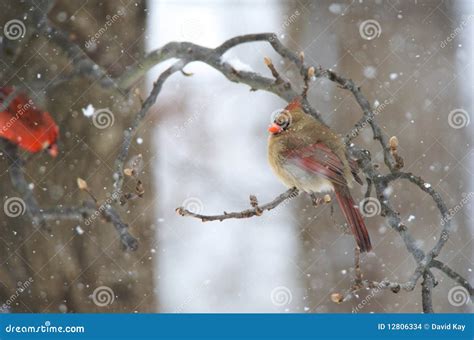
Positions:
{"x": 354, "y": 219}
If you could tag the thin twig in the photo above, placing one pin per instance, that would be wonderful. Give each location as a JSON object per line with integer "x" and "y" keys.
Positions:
{"x": 129, "y": 133}
{"x": 358, "y": 272}
{"x": 40, "y": 215}
{"x": 83, "y": 64}
{"x": 88, "y": 209}
{"x": 453, "y": 275}
{"x": 254, "y": 211}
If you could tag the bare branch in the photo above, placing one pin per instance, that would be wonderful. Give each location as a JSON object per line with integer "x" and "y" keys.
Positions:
{"x": 39, "y": 216}
{"x": 129, "y": 133}
{"x": 83, "y": 65}
{"x": 213, "y": 57}
{"x": 358, "y": 272}
{"x": 275, "y": 73}
{"x": 89, "y": 208}
{"x": 453, "y": 275}
{"x": 256, "y": 210}
{"x": 426, "y": 292}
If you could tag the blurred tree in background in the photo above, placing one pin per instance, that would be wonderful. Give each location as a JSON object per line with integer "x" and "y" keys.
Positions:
{"x": 69, "y": 260}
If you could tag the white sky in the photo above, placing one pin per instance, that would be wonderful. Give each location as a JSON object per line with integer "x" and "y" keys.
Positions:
{"x": 231, "y": 266}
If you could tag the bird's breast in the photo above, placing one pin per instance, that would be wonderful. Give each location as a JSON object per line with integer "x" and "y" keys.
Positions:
{"x": 305, "y": 180}
{"x": 293, "y": 175}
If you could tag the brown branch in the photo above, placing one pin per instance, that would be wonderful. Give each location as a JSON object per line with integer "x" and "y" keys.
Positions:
{"x": 256, "y": 210}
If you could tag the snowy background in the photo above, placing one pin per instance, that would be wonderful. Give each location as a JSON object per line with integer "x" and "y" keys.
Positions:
{"x": 210, "y": 153}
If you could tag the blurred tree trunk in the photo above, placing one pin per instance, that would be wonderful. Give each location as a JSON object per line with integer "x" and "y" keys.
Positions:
{"x": 70, "y": 260}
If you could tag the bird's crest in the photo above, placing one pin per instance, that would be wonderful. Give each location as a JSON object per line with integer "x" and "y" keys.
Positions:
{"x": 294, "y": 104}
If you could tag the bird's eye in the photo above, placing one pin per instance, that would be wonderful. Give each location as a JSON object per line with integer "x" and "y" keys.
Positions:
{"x": 283, "y": 120}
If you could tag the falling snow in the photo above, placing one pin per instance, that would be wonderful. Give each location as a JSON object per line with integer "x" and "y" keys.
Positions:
{"x": 370, "y": 72}
{"x": 88, "y": 111}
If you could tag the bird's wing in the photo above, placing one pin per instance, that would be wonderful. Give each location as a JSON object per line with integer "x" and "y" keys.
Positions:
{"x": 317, "y": 158}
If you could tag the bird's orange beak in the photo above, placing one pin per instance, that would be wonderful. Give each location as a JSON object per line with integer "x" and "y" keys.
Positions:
{"x": 274, "y": 128}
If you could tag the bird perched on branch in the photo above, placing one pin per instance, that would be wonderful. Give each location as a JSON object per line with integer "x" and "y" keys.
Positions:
{"x": 23, "y": 124}
{"x": 306, "y": 154}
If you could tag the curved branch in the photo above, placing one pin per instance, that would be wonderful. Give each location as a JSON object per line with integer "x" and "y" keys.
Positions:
{"x": 213, "y": 57}
{"x": 83, "y": 64}
{"x": 129, "y": 132}
{"x": 190, "y": 52}
{"x": 453, "y": 275}
{"x": 426, "y": 187}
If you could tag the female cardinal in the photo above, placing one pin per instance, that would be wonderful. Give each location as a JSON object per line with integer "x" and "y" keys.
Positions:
{"x": 23, "y": 124}
{"x": 306, "y": 154}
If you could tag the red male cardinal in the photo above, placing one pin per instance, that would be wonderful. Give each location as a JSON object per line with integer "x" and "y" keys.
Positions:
{"x": 307, "y": 155}
{"x": 23, "y": 124}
